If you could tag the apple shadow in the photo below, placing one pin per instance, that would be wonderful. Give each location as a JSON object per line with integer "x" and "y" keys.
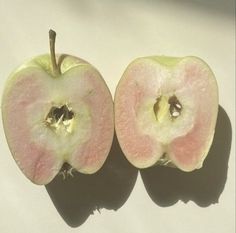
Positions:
{"x": 166, "y": 185}
{"x": 76, "y": 198}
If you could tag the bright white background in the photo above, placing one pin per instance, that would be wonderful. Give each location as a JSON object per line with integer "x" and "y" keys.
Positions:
{"x": 110, "y": 34}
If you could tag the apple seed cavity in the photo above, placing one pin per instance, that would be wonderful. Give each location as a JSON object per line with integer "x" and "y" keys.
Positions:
{"x": 175, "y": 107}
{"x": 60, "y": 118}
{"x": 165, "y": 107}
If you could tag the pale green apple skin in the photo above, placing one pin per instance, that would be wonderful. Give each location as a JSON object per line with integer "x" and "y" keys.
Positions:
{"x": 145, "y": 137}
{"x": 31, "y": 90}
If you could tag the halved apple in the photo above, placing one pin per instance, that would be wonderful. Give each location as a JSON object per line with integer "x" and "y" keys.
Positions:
{"x": 165, "y": 111}
{"x": 57, "y": 109}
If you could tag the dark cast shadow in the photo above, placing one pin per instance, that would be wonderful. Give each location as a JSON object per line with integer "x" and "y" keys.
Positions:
{"x": 166, "y": 185}
{"x": 76, "y": 198}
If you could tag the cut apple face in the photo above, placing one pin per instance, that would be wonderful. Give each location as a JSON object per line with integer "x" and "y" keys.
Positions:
{"x": 165, "y": 112}
{"x": 54, "y": 118}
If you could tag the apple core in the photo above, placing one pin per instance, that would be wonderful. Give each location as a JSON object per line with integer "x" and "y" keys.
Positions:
{"x": 167, "y": 108}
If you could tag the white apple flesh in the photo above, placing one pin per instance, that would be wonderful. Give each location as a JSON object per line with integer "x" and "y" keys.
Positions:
{"x": 56, "y": 115}
{"x": 165, "y": 111}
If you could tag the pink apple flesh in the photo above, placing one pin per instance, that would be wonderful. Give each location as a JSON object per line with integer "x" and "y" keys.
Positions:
{"x": 52, "y": 120}
{"x": 165, "y": 112}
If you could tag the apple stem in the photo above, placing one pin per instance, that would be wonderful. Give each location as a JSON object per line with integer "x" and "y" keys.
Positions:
{"x": 52, "y": 40}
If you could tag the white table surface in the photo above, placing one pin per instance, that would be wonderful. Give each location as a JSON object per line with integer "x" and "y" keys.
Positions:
{"x": 110, "y": 34}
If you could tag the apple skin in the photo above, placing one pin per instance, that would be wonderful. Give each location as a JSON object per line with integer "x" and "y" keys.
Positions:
{"x": 147, "y": 131}
{"x": 29, "y": 94}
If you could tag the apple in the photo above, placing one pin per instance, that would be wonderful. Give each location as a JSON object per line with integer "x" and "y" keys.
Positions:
{"x": 57, "y": 114}
{"x": 165, "y": 111}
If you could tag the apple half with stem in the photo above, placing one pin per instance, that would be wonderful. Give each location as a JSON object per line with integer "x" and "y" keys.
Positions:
{"x": 165, "y": 111}
{"x": 57, "y": 114}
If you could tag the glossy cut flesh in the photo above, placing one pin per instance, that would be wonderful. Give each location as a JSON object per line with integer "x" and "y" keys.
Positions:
{"x": 31, "y": 92}
{"x": 185, "y": 141}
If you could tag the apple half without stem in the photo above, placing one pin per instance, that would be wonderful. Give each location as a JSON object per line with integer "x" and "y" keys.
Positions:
{"x": 165, "y": 111}
{"x": 57, "y": 110}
